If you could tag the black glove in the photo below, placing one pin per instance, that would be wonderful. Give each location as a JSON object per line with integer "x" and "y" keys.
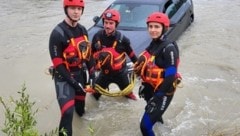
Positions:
{"x": 138, "y": 65}
{"x": 137, "y": 68}
{"x": 78, "y": 86}
{"x": 141, "y": 91}
{"x": 89, "y": 77}
{"x": 92, "y": 82}
{"x": 154, "y": 103}
{"x": 90, "y": 86}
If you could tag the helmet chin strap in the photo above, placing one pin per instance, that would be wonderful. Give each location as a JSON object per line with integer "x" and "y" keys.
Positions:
{"x": 162, "y": 36}
{"x": 73, "y": 21}
{"x": 163, "y": 33}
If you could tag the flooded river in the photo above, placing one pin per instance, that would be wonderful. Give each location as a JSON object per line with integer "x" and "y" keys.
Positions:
{"x": 208, "y": 103}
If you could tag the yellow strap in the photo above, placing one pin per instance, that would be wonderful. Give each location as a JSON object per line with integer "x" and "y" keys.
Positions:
{"x": 178, "y": 83}
{"x": 114, "y": 44}
{"x": 123, "y": 92}
{"x": 73, "y": 42}
{"x": 65, "y": 62}
{"x": 152, "y": 58}
{"x": 85, "y": 37}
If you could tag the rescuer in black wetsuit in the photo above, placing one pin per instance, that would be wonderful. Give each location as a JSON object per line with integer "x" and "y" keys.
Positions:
{"x": 72, "y": 63}
{"x": 112, "y": 41}
{"x": 157, "y": 66}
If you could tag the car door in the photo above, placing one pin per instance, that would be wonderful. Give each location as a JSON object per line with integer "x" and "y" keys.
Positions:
{"x": 179, "y": 18}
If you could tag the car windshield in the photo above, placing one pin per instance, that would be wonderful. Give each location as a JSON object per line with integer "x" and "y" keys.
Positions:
{"x": 133, "y": 16}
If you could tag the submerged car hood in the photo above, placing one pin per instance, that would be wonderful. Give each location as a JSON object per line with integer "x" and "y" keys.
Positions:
{"x": 139, "y": 38}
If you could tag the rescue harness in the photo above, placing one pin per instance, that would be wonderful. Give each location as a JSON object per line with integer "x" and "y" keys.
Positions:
{"x": 109, "y": 60}
{"x": 78, "y": 50}
{"x": 149, "y": 71}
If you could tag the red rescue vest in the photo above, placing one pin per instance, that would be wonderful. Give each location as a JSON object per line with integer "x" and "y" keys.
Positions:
{"x": 150, "y": 72}
{"x": 109, "y": 60}
{"x": 78, "y": 50}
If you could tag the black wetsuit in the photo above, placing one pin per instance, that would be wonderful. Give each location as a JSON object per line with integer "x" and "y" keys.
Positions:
{"x": 120, "y": 77}
{"x": 68, "y": 95}
{"x": 167, "y": 58}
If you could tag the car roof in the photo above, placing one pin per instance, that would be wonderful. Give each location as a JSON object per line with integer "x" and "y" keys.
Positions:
{"x": 141, "y": 1}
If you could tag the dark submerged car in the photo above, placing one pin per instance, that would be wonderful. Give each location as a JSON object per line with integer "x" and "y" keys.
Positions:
{"x": 135, "y": 12}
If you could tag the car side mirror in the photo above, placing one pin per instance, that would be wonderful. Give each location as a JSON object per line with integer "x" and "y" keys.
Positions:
{"x": 96, "y": 19}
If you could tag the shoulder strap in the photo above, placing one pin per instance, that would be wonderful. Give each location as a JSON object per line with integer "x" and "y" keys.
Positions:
{"x": 99, "y": 33}
{"x": 82, "y": 28}
{"x": 164, "y": 44}
{"x": 69, "y": 33}
{"x": 66, "y": 30}
{"x": 84, "y": 32}
{"x": 59, "y": 30}
{"x": 98, "y": 41}
{"x": 119, "y": 38}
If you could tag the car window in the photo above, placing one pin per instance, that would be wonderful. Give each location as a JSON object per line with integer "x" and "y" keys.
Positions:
{"x": 172, "y": 6}
{"x": 133, "y": 15}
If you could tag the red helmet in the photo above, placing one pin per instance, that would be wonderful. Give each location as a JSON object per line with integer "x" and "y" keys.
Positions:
{"x": 159, "y": 18}
{"x": 79, "y": 3}
{"x": 112, "y": 14}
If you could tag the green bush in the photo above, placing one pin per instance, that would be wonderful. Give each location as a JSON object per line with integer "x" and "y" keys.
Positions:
{"x": 20, "y": 117}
